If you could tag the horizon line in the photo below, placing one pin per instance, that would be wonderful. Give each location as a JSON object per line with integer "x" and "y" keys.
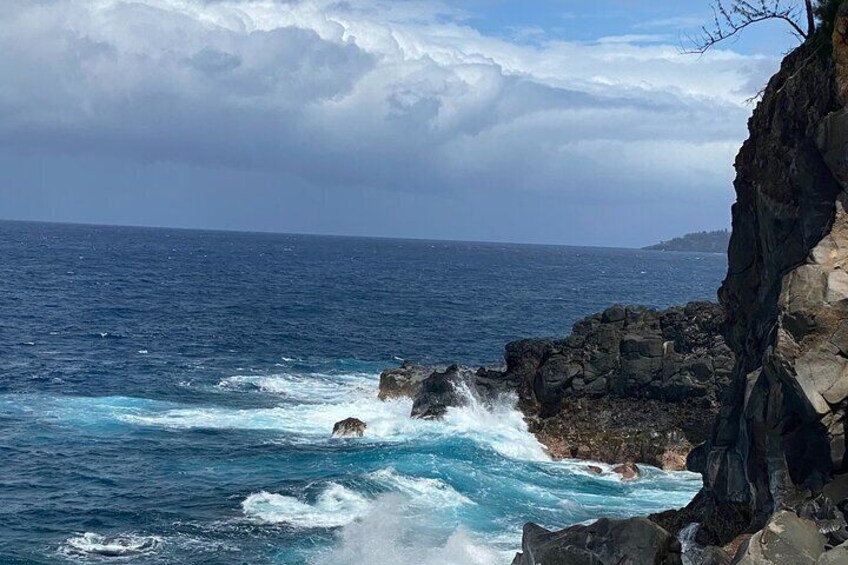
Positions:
{"x": 337, "y": 235}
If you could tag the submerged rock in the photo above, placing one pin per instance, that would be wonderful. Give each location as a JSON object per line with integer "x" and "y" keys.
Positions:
{"x": 627, "y": 471}
{"x": 606, "y": 542}
{"x": 349, "y": 427}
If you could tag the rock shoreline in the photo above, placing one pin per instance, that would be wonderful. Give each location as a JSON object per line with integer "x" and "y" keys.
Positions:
{"x": 629, "y": 385}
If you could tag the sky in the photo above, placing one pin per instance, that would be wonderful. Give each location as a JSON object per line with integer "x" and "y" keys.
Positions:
{"x": 547, "y": 121}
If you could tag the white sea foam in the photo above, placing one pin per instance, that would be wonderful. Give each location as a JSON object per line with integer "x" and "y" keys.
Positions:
{"x": 306, "y": 388}
{"x": 336, "y": 506}
{"x": 318, "y": 401}
{"x": 420, "y": 491}
{"x": 112, "y": 546}
{"x": 389, "y": 534}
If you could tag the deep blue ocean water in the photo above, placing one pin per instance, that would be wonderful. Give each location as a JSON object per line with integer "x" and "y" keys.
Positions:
{"x": 167, "y": 396}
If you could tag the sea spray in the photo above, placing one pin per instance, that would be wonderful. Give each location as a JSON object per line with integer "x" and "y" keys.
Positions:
{"x": 389, "y": 534}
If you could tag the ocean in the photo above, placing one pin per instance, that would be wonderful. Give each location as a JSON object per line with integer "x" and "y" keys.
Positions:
{"x": 167, "y": 396}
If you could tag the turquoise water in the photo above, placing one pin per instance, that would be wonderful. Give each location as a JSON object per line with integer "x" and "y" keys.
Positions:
{"x": 167, "y": 396}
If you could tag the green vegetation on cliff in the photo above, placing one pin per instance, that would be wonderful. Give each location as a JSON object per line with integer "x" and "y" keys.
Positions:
{"x": 703, "y": 242}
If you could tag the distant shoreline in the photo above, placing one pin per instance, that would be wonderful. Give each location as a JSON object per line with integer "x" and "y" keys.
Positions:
{"x": 698, "y": 242}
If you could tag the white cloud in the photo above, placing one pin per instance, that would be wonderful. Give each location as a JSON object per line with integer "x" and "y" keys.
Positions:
{"x": 393, "y": 95}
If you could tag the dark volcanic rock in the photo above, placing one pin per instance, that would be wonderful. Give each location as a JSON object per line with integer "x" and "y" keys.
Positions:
{"x": 781, "y": 432}
{"x": 614, "y": 430}
{"x": 629, "y": 384}
{"x": 696, "y": 461}
{"x": 403, "y": 381}
{"x": 713, "y": 556}
{"x": 349, "y": 427}
{"x": 442, "y": 390}
{"x": 669, "y": 355}
{"x": 627, "y": 471}
{"x": 785, "y": 539}
{"x": 773, "y": 457}
{"x": 606, "y": 542}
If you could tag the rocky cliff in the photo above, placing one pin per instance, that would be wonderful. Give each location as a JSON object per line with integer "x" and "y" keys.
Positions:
{"x": 781, "y": 435}
{"x": 775, "y": 466}
{"x": 629, "y": 384}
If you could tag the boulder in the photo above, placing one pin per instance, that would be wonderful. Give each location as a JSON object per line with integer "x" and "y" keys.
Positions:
{"x": 785, "y": 539}
{"x": 696, "y": 461}
{"x": 713, "y": 555}
{"x": 404, "y": 381}
{"x": 605, "y": 542}
{"x": 836, "y": 556}
{"x": 349, "y": 427}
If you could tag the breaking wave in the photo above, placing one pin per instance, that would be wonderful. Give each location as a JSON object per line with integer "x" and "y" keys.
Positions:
{"x": 336, "y": 506}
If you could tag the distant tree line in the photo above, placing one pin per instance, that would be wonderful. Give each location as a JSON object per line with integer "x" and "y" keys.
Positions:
{"x": 702, "y": 242}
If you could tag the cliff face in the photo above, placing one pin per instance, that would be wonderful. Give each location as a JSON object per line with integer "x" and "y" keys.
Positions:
{"x": 776, "y": 458}
{"x": 780, "y": 437}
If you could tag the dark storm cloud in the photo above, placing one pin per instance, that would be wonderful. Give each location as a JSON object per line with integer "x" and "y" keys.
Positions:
{"x": 387, "y": 96}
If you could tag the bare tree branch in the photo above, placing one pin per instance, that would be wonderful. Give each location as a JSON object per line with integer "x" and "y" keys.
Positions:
{"x": 811, "y": 17}
{"x": 730, "y": 17}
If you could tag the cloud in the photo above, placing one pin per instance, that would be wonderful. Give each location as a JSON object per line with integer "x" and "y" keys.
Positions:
{"x": 397, "y": 96}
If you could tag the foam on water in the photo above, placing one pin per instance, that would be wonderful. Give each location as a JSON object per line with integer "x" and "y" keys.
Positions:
{"x": 308, "y": 388}
{"x": 327, "y": 399}
{"x": 452, "y": 491}
{"x": 420, "y": 491}
{"x": 111, "y": 546}
{"x": 335, "y": 506}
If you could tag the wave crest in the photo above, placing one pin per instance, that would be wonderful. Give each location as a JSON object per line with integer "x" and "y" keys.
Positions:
{"x": 336, "y": 506}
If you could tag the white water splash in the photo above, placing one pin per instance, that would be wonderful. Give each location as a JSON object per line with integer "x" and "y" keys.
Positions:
{"x": 388, "y": 534}
{"x": 420, "y": 491}
{"x": 690, "y": 550}
{"x": 324, "y": 400}
{"x": 336, "y": 506}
